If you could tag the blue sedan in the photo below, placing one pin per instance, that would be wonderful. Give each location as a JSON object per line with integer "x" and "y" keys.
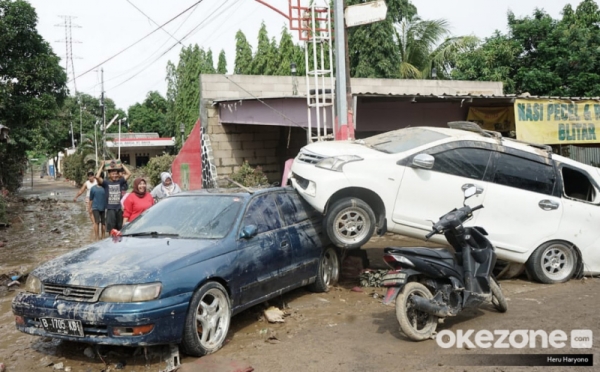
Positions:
{"x": 180, "y": 271}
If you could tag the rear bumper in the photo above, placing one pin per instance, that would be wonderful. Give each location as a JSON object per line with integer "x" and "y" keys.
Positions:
{"x": 99, "y": 319}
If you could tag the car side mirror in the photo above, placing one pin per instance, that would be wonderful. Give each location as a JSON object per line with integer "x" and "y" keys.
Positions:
{"x": 249, "y": 232}
{"x": 424, "y": 161}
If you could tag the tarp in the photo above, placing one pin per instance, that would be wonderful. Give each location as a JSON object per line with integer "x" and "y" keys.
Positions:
{"x": 554, "y": 122}
{"x": 187, "y": 167}
{"x": 499, "y": 119}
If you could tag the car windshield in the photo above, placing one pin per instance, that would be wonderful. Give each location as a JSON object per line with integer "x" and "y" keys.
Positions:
{"x": 402, "y": 140}
{"x": 195, "y": 217}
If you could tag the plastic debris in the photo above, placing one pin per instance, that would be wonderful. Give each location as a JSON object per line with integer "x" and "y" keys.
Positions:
{"x": 372, "y": 278}
{"x": 274, "y": 315}
{"x": 58, "y": 366}
{"x": 13, "y": 283}
{"x": 89, "y": 352}
{"x": 2, "y": 367}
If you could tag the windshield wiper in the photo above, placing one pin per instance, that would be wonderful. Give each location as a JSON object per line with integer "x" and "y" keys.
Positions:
{"x": 150, "y": 233}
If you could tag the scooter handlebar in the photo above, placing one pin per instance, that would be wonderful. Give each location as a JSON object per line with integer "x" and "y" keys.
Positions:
{"x": 477, "y": 208}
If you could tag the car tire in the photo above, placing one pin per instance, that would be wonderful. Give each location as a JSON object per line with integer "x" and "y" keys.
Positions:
{"x": 328, "y": 272}
{"x": 350, "y": 223}
{"x": 553, "y": 262}
{"x": 207, "y": 321}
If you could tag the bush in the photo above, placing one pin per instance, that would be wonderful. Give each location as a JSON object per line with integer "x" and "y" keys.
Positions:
{"x": 249, "y": 176}
{"x": 74, "y": 168}
{"x": 156, "y": 166}
{"x": 2, "y": 209}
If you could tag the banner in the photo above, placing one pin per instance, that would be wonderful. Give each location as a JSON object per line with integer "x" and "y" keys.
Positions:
{"x": 499, "y": 119}
{"x": 557, "y": 122}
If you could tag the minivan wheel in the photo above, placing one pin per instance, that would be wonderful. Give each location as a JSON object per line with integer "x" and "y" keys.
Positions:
{"x": 207, "y": 321}
{"x": 328, "y": 272}
{"x": 350, "y": 223}
{"x": 552, "y": 262}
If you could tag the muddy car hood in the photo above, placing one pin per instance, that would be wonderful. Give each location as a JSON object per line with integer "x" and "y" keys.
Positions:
{"x": 336, "y": 148}
{"x": 129, "y": 261}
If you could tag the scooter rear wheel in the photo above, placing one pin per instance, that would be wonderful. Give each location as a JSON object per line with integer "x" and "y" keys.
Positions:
{"x": 415, "y": 324}
{"x": 498, "y": 299}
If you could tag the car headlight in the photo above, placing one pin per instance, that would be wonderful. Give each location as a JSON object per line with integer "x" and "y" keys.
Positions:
{"x": 131, "y": 293}
{"x": 336, "y": 163}
{"x": 33, "y": 284}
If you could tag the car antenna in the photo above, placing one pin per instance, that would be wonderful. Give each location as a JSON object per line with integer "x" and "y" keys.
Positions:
{"x": 250, "y": 191}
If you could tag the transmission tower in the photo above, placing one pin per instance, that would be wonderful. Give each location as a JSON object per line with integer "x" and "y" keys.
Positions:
{"x": 69, "y": 57}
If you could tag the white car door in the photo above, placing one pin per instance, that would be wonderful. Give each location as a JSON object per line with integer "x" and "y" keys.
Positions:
{"x": 427, "y": 194}
{"x": 522, "y": 207}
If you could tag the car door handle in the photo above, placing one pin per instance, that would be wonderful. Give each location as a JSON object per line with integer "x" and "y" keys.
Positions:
{"x": 548, "y": 205}
{"x": 467, "y": 185}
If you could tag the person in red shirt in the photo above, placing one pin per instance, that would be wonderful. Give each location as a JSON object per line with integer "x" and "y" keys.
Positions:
{"x": 137, "y": 202}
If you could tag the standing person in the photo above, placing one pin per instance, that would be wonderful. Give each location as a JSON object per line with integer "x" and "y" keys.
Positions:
{"x": 87, "y": 186}
{"x": 137, "y": 202}
{"x": 166, "y": 188}
{"x": 113, "y": 188}
{"x": 97, "y": 205}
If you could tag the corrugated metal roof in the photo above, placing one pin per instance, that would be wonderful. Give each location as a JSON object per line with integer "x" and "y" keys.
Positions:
{"x": 427, "y": 96}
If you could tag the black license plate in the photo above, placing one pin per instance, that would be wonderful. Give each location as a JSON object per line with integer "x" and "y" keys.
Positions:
{"x": 63, "y": 326}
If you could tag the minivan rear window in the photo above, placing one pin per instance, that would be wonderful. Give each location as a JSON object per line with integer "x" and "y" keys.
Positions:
{"x": 403, "y": 140}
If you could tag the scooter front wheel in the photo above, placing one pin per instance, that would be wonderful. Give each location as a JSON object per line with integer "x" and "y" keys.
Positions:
{"x": 417, "y": 325}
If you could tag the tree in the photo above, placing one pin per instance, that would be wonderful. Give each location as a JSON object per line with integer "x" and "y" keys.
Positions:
{"x": 32, "y": 86}
{"x": 222, "y": 65}
{"x": 243, "y": 55}
{"x": 150, "y": 116}
{"x": 372, "y": 49}
{"x": 418, "y": 42}
{"x": 541, "y": 55}
{"x": 261, "y": 62}
{"x": 209, "y": 64}
{"x": 286, "y": 53}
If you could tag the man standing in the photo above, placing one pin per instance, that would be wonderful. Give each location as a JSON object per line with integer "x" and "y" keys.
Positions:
{"x": 87, "y": 186}
{"x": 97, "y": 204}
{"x": 113, "y": 187}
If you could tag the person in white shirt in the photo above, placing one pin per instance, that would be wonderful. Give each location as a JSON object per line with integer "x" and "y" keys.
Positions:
{"x": 87, "y": 186}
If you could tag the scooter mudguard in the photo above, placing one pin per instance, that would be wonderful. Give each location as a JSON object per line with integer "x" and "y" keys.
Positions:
{"x": 395, "y": 281}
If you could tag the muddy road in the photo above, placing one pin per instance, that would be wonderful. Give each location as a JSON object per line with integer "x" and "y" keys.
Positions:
{"x": 341, "y": 330}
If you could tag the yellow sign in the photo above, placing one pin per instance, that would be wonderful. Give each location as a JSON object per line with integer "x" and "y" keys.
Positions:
{"x": 553, "y": 122}
{"x": 499, "y": 119}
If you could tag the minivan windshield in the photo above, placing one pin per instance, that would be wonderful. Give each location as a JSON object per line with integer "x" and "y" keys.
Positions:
{"x": 194, "y": 216}
{"x": 402, "y": 139}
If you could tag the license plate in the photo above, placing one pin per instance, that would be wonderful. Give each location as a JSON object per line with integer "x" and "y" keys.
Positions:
{"x": 62, "y": 326}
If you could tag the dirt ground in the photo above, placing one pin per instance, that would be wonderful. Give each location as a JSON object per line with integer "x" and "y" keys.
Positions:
{"x": 341, "y": 330}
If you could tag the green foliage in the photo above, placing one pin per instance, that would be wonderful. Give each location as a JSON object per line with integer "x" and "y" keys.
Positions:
{"x": 150, "y": 116}
{"x": 156, "y": 166}
{"x": 74, "y": 168}
{"x": 287, "y": 51}
{"x": 261, "y": 63}
{"x": 541, "y": 55}
{"x": 250, "y": 177}
{"x": 222, "y": 64}
{"x": 243, "y": 55}
{"x": 32, "y": 86}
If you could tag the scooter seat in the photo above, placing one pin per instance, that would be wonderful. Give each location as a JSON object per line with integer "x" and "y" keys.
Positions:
{"x": 441, "y": 253}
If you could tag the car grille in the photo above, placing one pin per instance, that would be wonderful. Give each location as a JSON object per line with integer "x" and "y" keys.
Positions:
{"x": 310, "y": 158}
{"x": 73, "y": 293}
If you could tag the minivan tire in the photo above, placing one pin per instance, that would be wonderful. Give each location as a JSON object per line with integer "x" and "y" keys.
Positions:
{"x": 217, "y": 313}
{"x": 350, "y": 223}
{"x": 553, "y": 262}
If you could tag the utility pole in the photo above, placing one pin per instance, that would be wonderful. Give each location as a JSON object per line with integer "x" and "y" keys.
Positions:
{"x": 103, "y": 116}
{"x": 69, "y": 57}
{"x": 341, "y": 74}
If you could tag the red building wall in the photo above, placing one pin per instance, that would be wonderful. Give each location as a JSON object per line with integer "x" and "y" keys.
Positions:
{"x": 187, "y": 167}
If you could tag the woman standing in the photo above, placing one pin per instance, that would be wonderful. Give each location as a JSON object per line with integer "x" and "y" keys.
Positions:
{"x": 166, "y": 188}
{"x": 137, "y": 202}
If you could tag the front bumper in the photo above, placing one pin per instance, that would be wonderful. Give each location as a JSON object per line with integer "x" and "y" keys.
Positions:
{"x": 325, "y": 183}
{"x": 99, "y": 319}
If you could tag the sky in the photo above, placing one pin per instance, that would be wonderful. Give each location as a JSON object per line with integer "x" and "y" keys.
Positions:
{"x": 101, "y": 29}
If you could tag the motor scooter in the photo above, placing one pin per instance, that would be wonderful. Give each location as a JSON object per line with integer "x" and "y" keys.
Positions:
{"x": 431, "y": 284}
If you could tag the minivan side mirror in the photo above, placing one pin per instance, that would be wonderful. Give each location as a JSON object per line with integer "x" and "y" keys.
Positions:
{"x": 424, "y": 161}
{"x": 249, "y": 232}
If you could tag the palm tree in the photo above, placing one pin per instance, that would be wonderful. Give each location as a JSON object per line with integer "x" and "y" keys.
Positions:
{"x": 421, "y": 50}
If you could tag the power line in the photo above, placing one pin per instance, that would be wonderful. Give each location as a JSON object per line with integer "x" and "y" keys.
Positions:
{"x": 199, "y": 26}
{"x": 143, "y": 38}
{"x": 147, "y": 16}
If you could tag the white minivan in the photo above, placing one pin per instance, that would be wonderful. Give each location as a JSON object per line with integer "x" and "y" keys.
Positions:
{"x": 539, "y": 208}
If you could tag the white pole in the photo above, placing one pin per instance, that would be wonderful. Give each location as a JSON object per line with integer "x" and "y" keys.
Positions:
{"x": 119, "y": 157}
{"x": 96, "y": 141}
